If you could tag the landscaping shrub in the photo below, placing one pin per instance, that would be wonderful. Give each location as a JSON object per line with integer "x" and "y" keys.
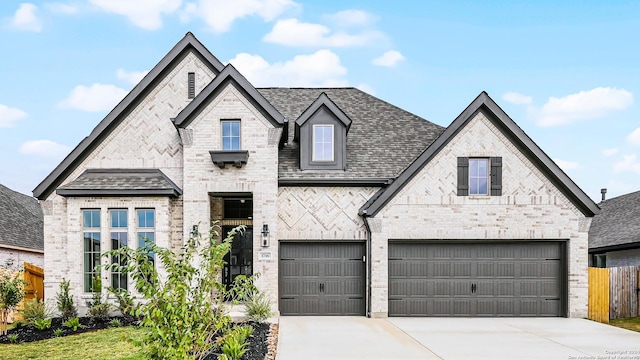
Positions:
{"x": 35, "y": 309}
{"x": 97, "y": 307}
{"x": 258, "y": 306}
{"x": 234, "y": 343}
{"x": 42, "y": 324}
{"x": 184, "y": 308}
{"x": 124, "y": 301}
{"x": 64, "y": 300}
{"x": 11, "y": 292}
{"x": 73, "y": 323}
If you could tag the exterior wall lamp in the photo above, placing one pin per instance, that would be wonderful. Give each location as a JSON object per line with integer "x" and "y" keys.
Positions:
{"x": 265, "y": 235}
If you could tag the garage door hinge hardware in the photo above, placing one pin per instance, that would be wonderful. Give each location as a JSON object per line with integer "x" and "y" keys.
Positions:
{"x": 321, "y": 287}
{"x": 474, "y": 287}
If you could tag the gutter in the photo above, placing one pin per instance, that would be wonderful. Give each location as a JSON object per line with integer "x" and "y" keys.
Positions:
{"x": 363, "y": 214}
{"x": 20, "y": 248}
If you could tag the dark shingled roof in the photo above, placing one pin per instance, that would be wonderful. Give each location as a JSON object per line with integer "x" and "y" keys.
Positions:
{"x": 21, "y": 220}
{"x": 382, "y": 141}
{"x": 618, "y": 224}
{"x": 115, "y": 182}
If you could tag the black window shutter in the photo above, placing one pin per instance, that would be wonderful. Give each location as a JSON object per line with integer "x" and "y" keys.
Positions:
{"x": 191, "y": 85}
{"x": 463, "y": 176}
{"x": 496, "y": 176}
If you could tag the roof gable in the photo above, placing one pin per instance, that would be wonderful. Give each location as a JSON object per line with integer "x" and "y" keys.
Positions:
{"x": 617, "y": 226}
{"x": 228, "y": 75}
{"x": 187, "y": 44}
{"x": 483, "y": 103}
{"x": 21, "y": 221}
{"x": 323, "y": 101}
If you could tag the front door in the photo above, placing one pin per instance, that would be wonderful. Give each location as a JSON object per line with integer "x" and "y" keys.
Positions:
{"x": 239, "y": 260}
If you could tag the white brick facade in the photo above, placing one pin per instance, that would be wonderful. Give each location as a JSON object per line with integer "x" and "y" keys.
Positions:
{"x": 530, "y": 208}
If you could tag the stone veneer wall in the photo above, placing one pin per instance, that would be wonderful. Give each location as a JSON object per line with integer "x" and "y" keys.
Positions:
{"x": 146, "y": 138}
{"x": 530, "y": 208}
{"x": 259, "y": 176}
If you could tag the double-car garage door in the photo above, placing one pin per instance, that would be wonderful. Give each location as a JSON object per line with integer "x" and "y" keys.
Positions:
{"x": 449, "y": 278}
{"x": 477, "y": 279}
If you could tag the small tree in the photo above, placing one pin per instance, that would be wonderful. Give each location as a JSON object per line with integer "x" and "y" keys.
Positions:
{"x": 11, "y": 293}
{"x": 64, "y": 300}
{"x": 185, "y": 307}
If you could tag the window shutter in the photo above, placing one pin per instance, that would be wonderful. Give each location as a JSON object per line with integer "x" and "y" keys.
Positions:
{"x": 463, "y": 176}
{"x": 496, "y": 176}
{"x": 191, "y": 85}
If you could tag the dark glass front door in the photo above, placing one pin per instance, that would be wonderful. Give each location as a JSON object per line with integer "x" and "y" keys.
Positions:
{"x": 240, "y": 258}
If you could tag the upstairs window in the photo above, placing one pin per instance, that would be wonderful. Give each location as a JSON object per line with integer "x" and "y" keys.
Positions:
{"x": 322, "y": 143}
{"x": 478, "y": 176}
{"x": 230, "y": 135}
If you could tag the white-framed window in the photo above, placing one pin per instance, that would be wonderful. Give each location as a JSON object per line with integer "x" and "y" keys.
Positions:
{"x": 146, "y": 229}
{"x": 91, "y": 235}
{"x": 479, "y": 176}
{"x": 230, "y": 135}
{"x": 119, "y": 239}
{"x": 322, "y": 143}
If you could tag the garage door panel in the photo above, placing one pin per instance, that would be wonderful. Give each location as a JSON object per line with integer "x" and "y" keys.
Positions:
{"x": 321, "y": 278}
{"x": 510, "y": 279}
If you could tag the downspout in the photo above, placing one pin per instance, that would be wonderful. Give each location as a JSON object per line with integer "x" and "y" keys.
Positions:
{"x": 368, "y": 261}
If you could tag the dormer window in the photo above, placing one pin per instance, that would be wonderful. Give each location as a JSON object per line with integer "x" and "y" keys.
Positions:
{"x": 323, "y": 143}
{"x": 230, "y": 135}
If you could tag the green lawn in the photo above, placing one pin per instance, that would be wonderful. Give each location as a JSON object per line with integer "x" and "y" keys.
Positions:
{"x": 629, "y": 324}
{"x": 111, "y": 343}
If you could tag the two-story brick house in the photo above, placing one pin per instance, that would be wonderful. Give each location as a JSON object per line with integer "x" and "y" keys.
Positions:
{"x": 353, "y": 206}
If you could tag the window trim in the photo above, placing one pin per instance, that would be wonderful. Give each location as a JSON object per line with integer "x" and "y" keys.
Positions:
{"x": 487, "y": 176}
{"x": 495, "y": 176}
{"x": 313, "y": 143}
{"x": 91, "y": 229}
{"x": 222, "y": 137}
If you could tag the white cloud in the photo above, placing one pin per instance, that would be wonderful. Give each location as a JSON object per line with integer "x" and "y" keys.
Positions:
{"x": 61, "y": 8}
{"x": 97, "y": 97}
{"x": 367, "y": 88}
{"x": 46, "y": 148}
{"x": 517, "y": 98}
{"x": 26, "y": 19}
{"x": 351, "y": 17}
{"x": 219, "y": 15}
{"x": 321, "y": 68}
{"x": 291, "y": 32}
{"x": 132, "y": 77}
{"x": 610, "y": 152}
{"x": 9, "y": 116}
{"x": 146, "y": 14}
{"x": 566, "y": 165}
{"x": 390, "y": 58}
{"x": 584, "y": 105}
{"x": 634, "y": 137}
{"x": 628, "y": 163}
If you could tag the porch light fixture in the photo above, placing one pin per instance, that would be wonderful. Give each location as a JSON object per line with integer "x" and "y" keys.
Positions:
{"x": 265, "y": 235}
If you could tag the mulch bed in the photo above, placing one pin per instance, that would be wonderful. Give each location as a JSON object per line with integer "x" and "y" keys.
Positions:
{"x": 262, "y": 343}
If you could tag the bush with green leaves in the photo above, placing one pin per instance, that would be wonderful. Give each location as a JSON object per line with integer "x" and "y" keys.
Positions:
{"x": 42, "y": 324}
{"x": 97, "y": 307}
{"x": 115, "y": 323}
{"x": 11, "y": 292}
{"x": 234, "y": 342}
{"x": 73, "y": 323}
{"x": 36, "y": 309}
{"x": 184, "y": 308}
{"x": 124, "y": 301}
{"x": 258, "y": 306}
{"x": 13, "y": 338}
{"x": 64, "y": 300}
{"x": 58, "y": 332}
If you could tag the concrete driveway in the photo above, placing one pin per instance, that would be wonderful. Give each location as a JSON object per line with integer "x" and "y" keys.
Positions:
{"x": 452, "y": 339}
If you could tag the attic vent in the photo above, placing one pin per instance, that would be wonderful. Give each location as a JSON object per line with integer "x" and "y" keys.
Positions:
{"x": 191, "y": 85}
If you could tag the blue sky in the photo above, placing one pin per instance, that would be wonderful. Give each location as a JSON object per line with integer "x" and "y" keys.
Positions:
{"x": 567, "y": 72}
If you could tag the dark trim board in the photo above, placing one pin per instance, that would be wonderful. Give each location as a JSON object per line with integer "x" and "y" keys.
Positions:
{"x": 619, "y": 247}
{"x": 335, "y": 182}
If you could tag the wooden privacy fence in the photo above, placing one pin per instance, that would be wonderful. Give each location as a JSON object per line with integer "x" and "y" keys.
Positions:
{"x": 598, "y": 308}
{"x": 34, "y": 289}
{"x": 623, "y": 293}
{"x": 614, "y": 293}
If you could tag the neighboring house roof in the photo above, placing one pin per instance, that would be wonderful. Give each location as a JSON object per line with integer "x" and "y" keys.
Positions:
{"x": 104, "y": 128}
{"x": 483, "y": 103}
{"x": 21, "y": 221}
{"x": 617, "y": 227}
{"x": 116, "y": 182}
{"x": 383, "y": 139}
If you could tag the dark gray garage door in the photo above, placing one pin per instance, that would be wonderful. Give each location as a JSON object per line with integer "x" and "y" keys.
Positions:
{"x": 322, "y": 279}
{"x": 477, "y": 279}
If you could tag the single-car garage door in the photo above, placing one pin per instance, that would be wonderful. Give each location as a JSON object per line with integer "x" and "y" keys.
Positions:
{"x": 321, "y": 278}
{"x": 477, "y": 279}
